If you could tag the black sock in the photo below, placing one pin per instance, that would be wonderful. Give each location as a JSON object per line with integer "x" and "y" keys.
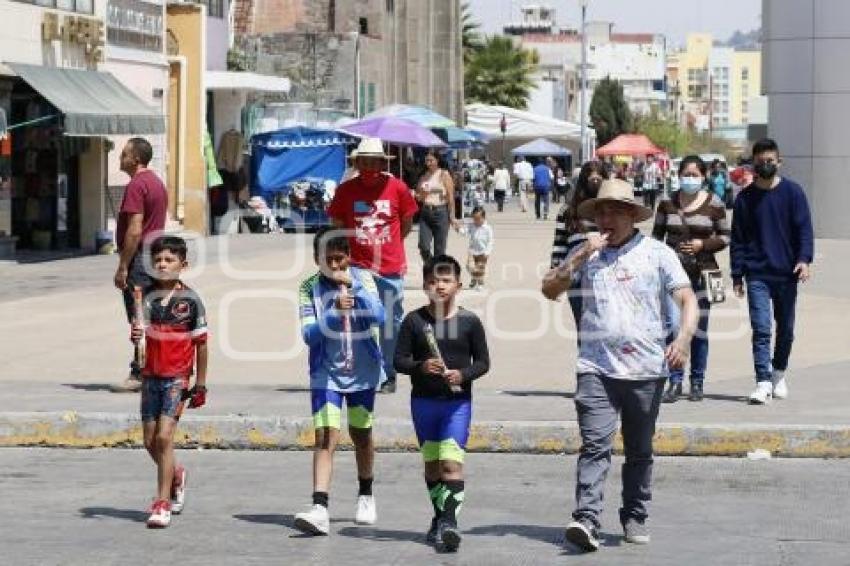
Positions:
{"x": 365, "y": 486}
{"x": 434, "y": 495}
{"x": 454, "y": 499}
{"x": 321, "y": 498}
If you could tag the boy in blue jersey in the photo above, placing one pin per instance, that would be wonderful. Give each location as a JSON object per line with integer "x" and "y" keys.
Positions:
{"x": 443, "y": 348}
{"x": 340, "y": 313}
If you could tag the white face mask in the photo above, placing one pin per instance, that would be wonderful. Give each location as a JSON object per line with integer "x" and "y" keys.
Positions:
{"x": 690, "y": 185}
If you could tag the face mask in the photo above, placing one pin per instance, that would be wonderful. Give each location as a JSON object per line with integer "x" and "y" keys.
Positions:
{"x": 765, "y": 170}
{"x": 369, "y": 174}
{"x": 690, "y": 185}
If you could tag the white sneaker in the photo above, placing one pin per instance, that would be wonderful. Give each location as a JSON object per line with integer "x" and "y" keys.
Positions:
{"x": 160, "y": 514}
{"x": 366, "y": 513}
{"x": 316, "y": 521}
{"x": 762, "y": 393}
{"x": 780, "y": 387}
{"x": 178, "y": 490}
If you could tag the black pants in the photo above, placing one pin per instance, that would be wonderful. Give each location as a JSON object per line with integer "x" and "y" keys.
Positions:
{"x": 433, "y": 225}
{"x": 137, "y": 276}
{"x": 500, "y": 199}
{"x": 541, "y": 198}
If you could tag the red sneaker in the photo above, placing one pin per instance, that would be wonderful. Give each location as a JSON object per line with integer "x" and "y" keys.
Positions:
{"x": 160, "y": 514}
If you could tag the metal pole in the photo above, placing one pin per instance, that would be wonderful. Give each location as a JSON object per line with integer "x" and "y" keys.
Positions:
{"x": 583, "y": 118}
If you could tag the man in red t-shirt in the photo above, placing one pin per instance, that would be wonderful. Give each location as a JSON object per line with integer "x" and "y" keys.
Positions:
{"x": 140, "y": 220}
{"x": 377, "y": 210}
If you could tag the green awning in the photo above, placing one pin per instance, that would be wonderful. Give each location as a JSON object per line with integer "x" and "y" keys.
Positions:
{"x": 93, "y": 103}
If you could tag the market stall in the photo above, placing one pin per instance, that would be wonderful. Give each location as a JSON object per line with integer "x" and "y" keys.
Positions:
{"x": 295, "y": 171}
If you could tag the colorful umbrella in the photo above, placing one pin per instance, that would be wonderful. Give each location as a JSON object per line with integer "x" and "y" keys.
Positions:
{"x": 419, "y": 114}
{"x": 396, "y": 131}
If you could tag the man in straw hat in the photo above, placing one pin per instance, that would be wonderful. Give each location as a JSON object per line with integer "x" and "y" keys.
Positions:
{"x": 376, "y": 210}
{"x": 623, "y": 362}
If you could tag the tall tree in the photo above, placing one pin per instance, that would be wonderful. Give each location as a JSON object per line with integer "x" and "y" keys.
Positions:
{"x": 470, "y": 35}
{"x": 500, "y": 73}
{"x": 609, "y": 113}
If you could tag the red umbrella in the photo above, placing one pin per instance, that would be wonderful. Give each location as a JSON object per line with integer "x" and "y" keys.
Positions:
{"x": 629, "y": 144}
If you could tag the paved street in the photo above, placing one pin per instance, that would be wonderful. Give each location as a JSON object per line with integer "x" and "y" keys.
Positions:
{"x": 87, "y": 507}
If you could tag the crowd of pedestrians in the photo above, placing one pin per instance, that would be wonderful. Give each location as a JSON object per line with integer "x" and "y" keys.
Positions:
{"x": 640, "y": 302}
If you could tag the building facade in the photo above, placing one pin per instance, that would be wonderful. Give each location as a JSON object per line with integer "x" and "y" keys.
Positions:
{"x": 637, "y": 61}
{"x": 807, "y": 80}
{"x": 713, "y": 86}
{"x": 351, "y": 57}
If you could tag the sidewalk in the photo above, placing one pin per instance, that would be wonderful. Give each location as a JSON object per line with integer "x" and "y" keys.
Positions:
{"x": 65, "y": 342}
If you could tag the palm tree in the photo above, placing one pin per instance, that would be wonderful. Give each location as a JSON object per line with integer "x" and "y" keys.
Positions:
{"x": 500, "y": 73}
{"x": 470, "y": 37}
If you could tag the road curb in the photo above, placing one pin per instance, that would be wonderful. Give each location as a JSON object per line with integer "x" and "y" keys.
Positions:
{"x": 236, "y": 432}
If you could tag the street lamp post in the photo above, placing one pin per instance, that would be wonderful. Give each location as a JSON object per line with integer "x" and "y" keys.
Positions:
{"x": 583, "y": 78}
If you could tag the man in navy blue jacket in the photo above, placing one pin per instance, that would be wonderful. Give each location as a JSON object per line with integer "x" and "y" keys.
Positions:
{"x": 772, "y": 248}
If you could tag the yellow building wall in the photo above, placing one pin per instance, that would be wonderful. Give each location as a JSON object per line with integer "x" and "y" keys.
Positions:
{"x": 92, "y": 199}
{"x": 695, "y": 56}
{"x": 186, "y": 22}
{"x": 743, "y": 89}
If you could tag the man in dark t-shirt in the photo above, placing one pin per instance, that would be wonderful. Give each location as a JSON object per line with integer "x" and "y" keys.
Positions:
{"x": 140, "y": 220}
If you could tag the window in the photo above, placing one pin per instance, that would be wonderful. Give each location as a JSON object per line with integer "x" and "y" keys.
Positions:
{"x": 370, "y": 104}
{"x": 745, "y": 73}
{"x": 79, "y": 6}
{"x": 134, "y": 23}
{"x": 215, "y": 8}
{"x": 364, "y": 26}
{"x": 745, "y": 91}
{"x": 332, "y": 16}
{"x": 745, "y": 107}
{"x": 390, "y": 6}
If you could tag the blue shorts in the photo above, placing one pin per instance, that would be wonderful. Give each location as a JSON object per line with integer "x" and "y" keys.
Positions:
{"x": 442, "y": 427}
{"x": 327, "y": 408}
{"x": 162, "y": 397}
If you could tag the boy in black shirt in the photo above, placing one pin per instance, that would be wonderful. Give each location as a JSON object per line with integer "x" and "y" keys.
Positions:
{"x": 443, "y": 349}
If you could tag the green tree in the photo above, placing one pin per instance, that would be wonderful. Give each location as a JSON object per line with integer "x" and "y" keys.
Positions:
{"x": 470, "y": 36}
{"x": 609, "y": 113}
{"x": 663, "y": 132}
{"x": 500, "y": 73}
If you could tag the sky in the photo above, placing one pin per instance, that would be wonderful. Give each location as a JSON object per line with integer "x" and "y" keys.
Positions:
{"x": 673, "y": 18}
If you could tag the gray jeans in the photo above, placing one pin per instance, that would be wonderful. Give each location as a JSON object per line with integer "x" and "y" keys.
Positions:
{"x": 598, "y": 401}
{"x": 433, "y": 225}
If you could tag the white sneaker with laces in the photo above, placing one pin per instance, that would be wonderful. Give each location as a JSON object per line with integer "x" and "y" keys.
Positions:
{"x": 316, "y": 521}
{"x": 762, "y": 393}
{"x": 366, "y": 513}
{"x": 780, "y": 387}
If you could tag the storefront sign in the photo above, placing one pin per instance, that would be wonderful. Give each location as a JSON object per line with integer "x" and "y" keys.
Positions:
{"x": 75, "y": 30}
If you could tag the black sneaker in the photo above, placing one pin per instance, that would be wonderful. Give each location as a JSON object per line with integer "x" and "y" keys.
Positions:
{"x": 582, "y": 534}
{"x": 635, "y": 531}
{"x": 448, "y": 534}
{"x": 696, "y": 392}
{"x": 431, "y": 535}
{"x": 388, "y": 386}
{"x": 674, "y": 391}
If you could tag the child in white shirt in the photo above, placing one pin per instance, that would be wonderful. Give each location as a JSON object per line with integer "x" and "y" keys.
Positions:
{"x": 480, "y": 247}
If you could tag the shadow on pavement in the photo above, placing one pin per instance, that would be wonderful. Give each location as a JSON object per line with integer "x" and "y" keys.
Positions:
{"x": 383, "y": 535}
{"x": 538, "y": 393}
{"x": 292, "y": 389}
{"x": 547, "y": 534}
{"x": 268, "y": 519}
{"x": 90, "y": 386}
{"x": 127, "y": 514}
{"x": 723, "y": 397}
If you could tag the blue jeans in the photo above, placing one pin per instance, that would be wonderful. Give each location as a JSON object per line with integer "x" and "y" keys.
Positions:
{"x": 699, "y": 343}
{"x": 391, "y": 291}
{"x": 783, "y": 296}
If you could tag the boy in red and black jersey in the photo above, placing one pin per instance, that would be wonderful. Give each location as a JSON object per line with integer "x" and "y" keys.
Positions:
{"x": 175, "y": 344}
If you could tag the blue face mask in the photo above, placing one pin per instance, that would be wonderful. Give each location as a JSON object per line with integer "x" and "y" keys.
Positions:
{"x": 690, "y": 185}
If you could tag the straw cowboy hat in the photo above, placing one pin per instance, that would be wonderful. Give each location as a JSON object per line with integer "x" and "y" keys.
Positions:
{"x": 614, "y": 190}
{"x": 371, "y": 147}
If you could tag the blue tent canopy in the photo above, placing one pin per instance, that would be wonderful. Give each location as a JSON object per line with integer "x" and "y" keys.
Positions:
{"x": 542, "y": 147}
{"x": 283, "y": 156}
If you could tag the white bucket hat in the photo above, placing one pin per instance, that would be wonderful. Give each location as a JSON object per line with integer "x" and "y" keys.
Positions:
{"x": 371, "y": 147}
{"x": 614, "y": 190}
